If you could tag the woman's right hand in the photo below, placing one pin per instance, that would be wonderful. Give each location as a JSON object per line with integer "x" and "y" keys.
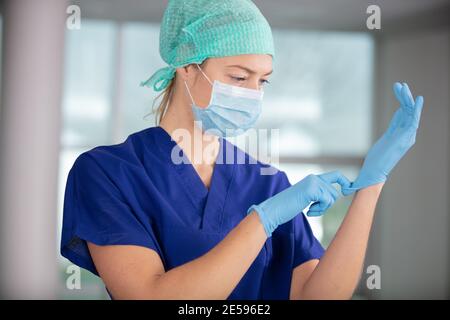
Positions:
{"x": 285, "y": 205}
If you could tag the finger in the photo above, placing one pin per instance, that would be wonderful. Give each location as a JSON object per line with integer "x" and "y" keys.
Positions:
{"x": 348, "y": 191}
{"x": 398, "y": 92}
{"x": 329, "y": 188}
{"x": 314, "y": 214}
{"x": 418, "y": 109}
{"x": 321, "y": 206}
{"x": 322, "y": 203}
{"x": 407, "y": 97}
{"x": 316, "y": 211}
{"x": 332, "y": 191}
{"x": 335, "y": 177}
{"x": 408, "y": 91}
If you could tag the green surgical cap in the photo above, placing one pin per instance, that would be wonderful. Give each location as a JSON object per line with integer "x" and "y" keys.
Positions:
{"x": 193, "y": 30}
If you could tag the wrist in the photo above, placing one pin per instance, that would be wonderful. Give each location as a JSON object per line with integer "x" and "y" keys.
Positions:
{"x": 373, "y": 189}
{"x": 262, "y": 218}
{"x": 255, "y": 217}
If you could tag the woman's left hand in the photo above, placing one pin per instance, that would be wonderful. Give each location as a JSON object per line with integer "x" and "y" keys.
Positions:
{"x": 395, "y": 142}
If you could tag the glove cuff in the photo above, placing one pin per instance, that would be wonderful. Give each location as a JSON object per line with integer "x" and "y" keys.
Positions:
{"x": 263, "y": 217}
{"x": 355, "y": 186}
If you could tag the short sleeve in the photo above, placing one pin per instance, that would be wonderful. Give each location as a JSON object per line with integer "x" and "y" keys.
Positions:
{"x": 306, "y": 245}
{"x": 95, "y": 210}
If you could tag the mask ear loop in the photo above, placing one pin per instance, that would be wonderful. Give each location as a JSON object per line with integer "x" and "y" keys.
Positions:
{"x": 187, "y": 88}
{"x": 203, "y": 73}
{"x": 189, "y": 92}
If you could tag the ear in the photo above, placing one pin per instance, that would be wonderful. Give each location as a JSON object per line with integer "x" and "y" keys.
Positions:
{"x": 187, "y": 72}
{"x": 182, "y": 73}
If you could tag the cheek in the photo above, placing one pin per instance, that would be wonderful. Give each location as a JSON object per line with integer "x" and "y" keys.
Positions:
{"x": 202, "y": 94}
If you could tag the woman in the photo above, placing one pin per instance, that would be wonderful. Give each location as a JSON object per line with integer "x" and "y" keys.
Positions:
{"x": 157, "y": 218}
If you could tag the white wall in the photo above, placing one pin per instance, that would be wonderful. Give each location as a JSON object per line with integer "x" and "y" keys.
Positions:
{"x": 410, "y": 240}
{"x": 33, "y": 43}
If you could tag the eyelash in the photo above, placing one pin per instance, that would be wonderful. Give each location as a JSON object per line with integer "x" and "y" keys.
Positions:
{"x": 264, "y": 81}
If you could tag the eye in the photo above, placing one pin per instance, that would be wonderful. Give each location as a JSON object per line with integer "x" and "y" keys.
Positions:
{"x": 264, "y": 81}
{"x": 239, "y": 79}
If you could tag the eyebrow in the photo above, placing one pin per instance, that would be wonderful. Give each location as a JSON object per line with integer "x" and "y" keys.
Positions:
{"x": 249, "y": 70}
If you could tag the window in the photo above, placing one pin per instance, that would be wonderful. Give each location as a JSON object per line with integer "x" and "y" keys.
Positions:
{"x": 319, "y": 98}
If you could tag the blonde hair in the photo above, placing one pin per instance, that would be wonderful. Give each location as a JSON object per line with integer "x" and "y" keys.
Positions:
{"x": 163, "y": 104}
{"x": 165, "y": 96}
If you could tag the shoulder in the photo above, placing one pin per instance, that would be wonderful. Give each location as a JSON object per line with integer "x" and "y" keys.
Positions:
{"x": 110, "y": 157}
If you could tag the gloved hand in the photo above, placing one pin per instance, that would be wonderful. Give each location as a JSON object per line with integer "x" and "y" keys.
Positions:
{"x": 395, "y": 142}
{"x": 285, "y": 205}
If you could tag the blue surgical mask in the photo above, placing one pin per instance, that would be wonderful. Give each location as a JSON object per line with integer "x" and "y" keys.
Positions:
{"x": 231, "y": 111}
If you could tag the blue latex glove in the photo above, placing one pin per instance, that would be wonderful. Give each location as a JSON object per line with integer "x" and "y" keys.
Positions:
{"x": 285, "y": 205}
{"x": 393, "y": 144}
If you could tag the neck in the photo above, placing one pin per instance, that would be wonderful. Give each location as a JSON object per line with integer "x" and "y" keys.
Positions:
{"x": 178, "y": 122}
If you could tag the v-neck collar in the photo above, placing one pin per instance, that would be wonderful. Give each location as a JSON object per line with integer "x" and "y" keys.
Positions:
{"x": 209, "y": 202}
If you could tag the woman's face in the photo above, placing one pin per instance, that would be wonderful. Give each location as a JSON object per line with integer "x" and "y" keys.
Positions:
{"x": 248, "y": 70}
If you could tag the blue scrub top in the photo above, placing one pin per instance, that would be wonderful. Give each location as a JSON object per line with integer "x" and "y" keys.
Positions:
{"x": 133, "y": 194}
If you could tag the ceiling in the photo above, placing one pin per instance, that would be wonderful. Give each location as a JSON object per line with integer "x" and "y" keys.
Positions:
{"x": 304, "y": 14}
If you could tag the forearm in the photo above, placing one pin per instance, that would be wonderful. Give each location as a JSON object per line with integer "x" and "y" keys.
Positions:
{"x": 339, "y": 270}
{"x": 215, "y": 274}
